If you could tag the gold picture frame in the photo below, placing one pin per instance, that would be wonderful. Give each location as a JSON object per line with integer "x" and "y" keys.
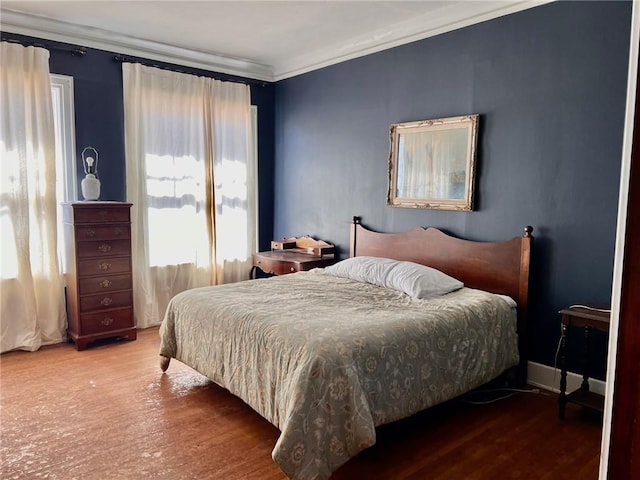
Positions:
{"x": 432, "y": 163}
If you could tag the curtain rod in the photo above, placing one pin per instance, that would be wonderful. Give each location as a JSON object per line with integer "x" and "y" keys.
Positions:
{"x": 75, "y": 51}
{"x": 125, "y": 59}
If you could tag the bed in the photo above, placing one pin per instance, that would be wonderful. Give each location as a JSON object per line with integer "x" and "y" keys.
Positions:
{"x": 327, "y": 359}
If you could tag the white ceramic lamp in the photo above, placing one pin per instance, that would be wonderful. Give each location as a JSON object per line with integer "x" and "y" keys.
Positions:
{"x": 90, "y": 184}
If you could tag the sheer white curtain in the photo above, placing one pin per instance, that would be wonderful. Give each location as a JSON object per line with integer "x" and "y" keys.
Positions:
{"x": 180, "y": 142}
{"x": 31, "y": 285}
{"x": 235, "y": 178}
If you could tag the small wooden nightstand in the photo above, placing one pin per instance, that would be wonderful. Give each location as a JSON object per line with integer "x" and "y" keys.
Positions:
{"x": 281, "y": 262}
{"x": 587, "y": 318}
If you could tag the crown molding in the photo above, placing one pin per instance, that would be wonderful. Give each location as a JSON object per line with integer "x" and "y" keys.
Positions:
{"x": 420, "y": 27}
{"x": 45, "y": 28}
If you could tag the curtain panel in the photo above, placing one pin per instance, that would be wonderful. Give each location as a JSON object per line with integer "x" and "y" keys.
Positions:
{"x": 234, "y": 180}
{"x": 189, "y": 150}
{"x": 32, "y": 310}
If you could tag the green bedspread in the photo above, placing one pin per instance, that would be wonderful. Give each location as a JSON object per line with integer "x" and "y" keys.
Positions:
{"x": 327, "y": 359}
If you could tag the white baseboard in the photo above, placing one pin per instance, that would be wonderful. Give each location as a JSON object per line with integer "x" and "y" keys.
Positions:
{"x": 548, "y": 378}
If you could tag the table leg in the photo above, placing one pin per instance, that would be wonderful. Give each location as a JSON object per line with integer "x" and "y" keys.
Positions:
{"x": 562, "y": 399}
{"x": 585, "y": 372}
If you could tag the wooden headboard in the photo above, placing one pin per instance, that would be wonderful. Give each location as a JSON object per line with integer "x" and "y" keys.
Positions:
{"x": 497, "y": 267}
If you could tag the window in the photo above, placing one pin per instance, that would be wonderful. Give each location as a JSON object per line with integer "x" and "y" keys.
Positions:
{"x": 170, "y": 177}
{"x": 64, "y": 123}
{"x": 63, "y": 119}
{"x": 176, "y": 193}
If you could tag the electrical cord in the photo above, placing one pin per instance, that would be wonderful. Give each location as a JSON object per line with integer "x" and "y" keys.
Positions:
{"x": 509, "y": 389}
{"x": 555, "y": 360}
{"x": 512, "y": 392}
{"x": 487, "y": 402}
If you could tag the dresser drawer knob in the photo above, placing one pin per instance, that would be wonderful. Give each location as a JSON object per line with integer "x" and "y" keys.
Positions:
{"x": 106, "y": 301}
{"x": 104, "y": 266}
{"x": 105, "y": 283}
{"x": 107, "y": 321}
{"x": 90, "y": 233}
{"x": 104, "y": 248}
{"x": 292, "y": 269}
{"x": 103, "y": 213}
{"x": 117, "y": 232}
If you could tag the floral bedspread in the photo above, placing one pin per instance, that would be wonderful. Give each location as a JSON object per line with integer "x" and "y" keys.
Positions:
{"x": 327, "y": 359}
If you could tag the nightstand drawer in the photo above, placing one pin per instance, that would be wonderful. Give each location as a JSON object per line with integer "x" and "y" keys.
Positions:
{"x": 110, "y": 232}
{"x": 283, "y": 262}
{"x": 101, "y": 266}
{"x": 104, "y": 284}
{"x": 112, "y": 320}
{"x": 90, "y": 303}
{"x": 103, "y": 248}
{"x": 277, "y": 267}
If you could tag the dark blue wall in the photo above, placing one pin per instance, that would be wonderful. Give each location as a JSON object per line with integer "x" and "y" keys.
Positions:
{"x": 99, "y": 115}
{"x": 549, "y": 84}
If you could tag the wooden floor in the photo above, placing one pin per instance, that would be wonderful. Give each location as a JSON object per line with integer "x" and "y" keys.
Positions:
{"x": 109, "y": 413}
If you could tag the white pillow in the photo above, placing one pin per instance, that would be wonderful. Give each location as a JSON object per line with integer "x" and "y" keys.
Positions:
{"x": 414, "y": 279}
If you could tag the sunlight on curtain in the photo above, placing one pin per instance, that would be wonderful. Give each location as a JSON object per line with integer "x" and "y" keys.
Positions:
{"x": 235, "y": 173}
{"x": 32, "y": 287}
{"x": 179, "y": 137}
{"x": 166, "y": 155}
{"x": 231, "y": 198}
{"x": 181, "y": 178}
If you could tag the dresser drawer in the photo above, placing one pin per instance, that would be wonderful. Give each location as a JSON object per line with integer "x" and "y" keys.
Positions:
{"x": 109, "y": 232}
{"x": 102, "y": 322}
{"x": 102, "y": 266}
{"x": 103, "y": 248}
{"x": 90, "y": 303}
{"x": 101, "y": 214}
{"x": 104, "y": 284}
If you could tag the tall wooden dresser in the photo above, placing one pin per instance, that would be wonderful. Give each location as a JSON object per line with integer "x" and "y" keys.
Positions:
{"x": 98, "y": 271}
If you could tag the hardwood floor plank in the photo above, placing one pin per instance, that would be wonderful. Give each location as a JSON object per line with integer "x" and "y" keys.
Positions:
{"x": 110, "y": 413}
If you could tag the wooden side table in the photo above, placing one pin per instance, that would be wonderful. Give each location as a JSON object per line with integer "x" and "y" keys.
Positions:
{"x": 281, "y": 262}
{"x": 587, "y": 318}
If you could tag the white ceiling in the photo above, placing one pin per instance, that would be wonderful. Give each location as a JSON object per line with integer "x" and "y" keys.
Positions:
{"x": 266, "y": 40}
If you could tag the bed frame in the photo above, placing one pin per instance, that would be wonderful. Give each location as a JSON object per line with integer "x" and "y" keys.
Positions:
{"x": 497, "y": 267}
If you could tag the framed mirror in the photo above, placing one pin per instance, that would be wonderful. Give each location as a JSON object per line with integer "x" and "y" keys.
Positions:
{"x": 432, "y": 163}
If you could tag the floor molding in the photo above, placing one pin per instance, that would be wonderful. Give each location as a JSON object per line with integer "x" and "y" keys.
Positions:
{"x": 546, "y": 377}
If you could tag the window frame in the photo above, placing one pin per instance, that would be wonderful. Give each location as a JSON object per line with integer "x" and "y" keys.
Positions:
{"x": 63, "y": 109}
{"x": 65, "y": 122}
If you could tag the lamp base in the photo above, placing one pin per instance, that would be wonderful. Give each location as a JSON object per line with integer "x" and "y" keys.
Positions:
{"x": 90, "y": 186}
